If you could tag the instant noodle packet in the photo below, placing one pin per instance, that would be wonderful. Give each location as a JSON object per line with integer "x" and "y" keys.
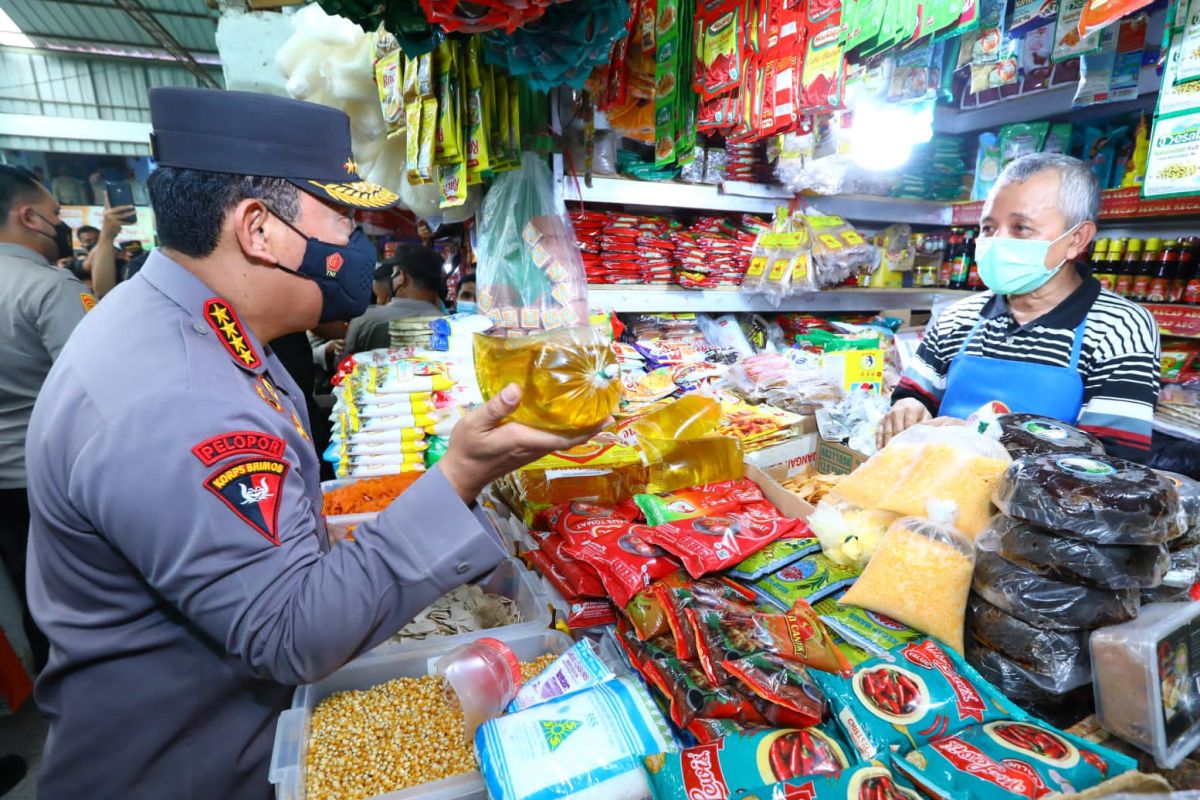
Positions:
{"x": 1010, "y": 759}
{"x": 909, "y": 697}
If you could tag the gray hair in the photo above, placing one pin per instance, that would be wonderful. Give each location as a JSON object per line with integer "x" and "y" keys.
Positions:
{"x": 1078, "y": 190}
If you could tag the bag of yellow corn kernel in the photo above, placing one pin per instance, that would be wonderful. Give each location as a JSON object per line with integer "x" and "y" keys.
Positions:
{"x": 590, "y": 742}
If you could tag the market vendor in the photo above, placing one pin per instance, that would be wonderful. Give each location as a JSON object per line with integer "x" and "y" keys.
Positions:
{"x": 1046, "y": 339}
{"x": 178, "y": 561}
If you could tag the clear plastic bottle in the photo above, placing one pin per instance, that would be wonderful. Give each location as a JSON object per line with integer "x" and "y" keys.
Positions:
{"x": 679, "y": 463}
{"x": 481, "y": 677}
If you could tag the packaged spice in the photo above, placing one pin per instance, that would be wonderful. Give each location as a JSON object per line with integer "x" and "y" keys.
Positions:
{"x": 1068, "y": 41}
{"x": 713, "y": 543}
{"x": 910, "y": 697}
{"x": 1173, "y": 165}
{"x": 693, "y": 696}
{"x": 1047, "y": 603}
{"x": 698, "y": 501}
{"x": 581, "y": 579}
{"x": 920, "y": 576}
{"x": 792, "y": 699}
{"x": 677, "y": 592}
{"x": 811, "y": 579}
{"x": 1100, "y": 499}
{"x": 583, "y": 519}
{"x": 626, "y": 561}
{"x": 868, "y": 630}
{"x": 1010, "y": 759}
{"x": 773, "y": 558}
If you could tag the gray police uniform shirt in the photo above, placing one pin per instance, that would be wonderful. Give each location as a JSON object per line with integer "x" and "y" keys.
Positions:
{"x": 40, "y": 305}
{"x": 178, "y": 562}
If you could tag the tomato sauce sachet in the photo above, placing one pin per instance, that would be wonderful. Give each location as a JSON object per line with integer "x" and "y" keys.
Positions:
{"x": 1010, "y": 759}
{"x": 580, "y": 518}
{"x": 715, "y": 543}
{"x": 911, "y": 696}
{"x": 580, "y": 577}
{"x": 625, "y": 559}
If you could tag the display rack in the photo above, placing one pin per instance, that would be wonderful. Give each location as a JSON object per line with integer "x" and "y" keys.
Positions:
{"x": 676, "y": 299}
{"x": 1176, "y": 320}
{"x": 1115, "y": 205}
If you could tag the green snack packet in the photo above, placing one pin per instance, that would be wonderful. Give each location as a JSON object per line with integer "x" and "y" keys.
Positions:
{"x": 774, "y": 557}
{"x": 874, "y": 633}
{"x": 812, "y": 578}
{"x": 1058, "y": 139}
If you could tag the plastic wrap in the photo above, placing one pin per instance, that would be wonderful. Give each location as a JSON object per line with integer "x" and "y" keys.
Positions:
{"x": 531, "y": 275}
{"x": 1033, "y": 435}
{"x": 908, "y": 698}
{"x": 1114, "y": 566}
{"x": 943, "y": 472}
{"x": 1047, "y": 603}
{"x": 1184, "y": 569}
{"x": 585, "y": 745}
{"x": 1015, "y": 679}
{"x": 849, "y": 535}
{"x": 1060, "y": 656}
{"x": 1102, "y": 499}
{"x": 1147, "y": 672}
{"x": 569, "y": 377}
{"x": 787, "y": 696}
{"x": 920, "y": 576}
{"x": 1188, "y": 493}
{"x": 1012, "y": 758}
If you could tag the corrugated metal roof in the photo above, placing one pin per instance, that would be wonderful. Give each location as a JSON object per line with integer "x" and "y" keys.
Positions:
{"x": 46, "y": 145}
{"x": 100, "y": 25}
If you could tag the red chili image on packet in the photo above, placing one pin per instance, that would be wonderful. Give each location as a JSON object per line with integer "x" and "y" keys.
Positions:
{"x": 625, "y": 559}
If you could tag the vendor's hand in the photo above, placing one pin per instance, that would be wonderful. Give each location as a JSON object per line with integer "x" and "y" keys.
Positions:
{"x": 114, "y": 220}
{"x": 334, "y": 350}
{"x": 945, "y": 422}
{"x": 483, "y": 447}
{"x": 904, "y": 414}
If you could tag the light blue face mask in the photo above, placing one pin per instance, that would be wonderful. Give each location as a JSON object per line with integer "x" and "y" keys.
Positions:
{"x": 466, "y": 307}
{"x": 1015, "y": 266}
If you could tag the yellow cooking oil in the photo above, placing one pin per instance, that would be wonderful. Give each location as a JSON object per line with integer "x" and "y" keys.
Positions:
{"x": 679, "y": 463}
{"x": 689, "y": 417}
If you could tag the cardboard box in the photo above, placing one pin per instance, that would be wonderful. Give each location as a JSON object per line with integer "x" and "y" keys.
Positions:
{"x": 834, "y": 458}
{"x": 798, "y": 455}
{"x": 790, "y": 505}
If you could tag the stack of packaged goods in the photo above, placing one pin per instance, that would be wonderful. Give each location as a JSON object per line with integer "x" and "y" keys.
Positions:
{"x": 936, "y": 171}
{"x": 636, "y": 249}
{"x": 748, "y": 162}
{"x": 1081, "y": 536}
{"x": 589, "y": 225}
{"x": 714, "y": 252}
{"x": 389, "y": 407}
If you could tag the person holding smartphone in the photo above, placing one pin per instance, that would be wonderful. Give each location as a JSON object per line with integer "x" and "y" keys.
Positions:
{"x": 105, "y": 263}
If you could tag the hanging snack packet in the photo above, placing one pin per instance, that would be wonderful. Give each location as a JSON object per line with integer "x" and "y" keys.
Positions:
{"x": 677, "y": 593}
{"x": 920, "y": 576}
{"x": 793, "y": 700}
{"x": 1010, "y": 759}
{"x": 711, "y": 544}
{"x": 748, "y": 766}
{"x": 811, "y": 579}
{"x": 910, "y": 697}
{"x": 872, "y": 632}
{"x": 626, "y": 561}
{"x": 774, "y": 557}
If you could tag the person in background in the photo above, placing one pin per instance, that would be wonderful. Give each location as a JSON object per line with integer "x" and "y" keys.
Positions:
{"x": 465, "y": 299}
{"x": 136, "y": 188}
{"x": 40, "y": 305}
{"x": 381, "y": 286}
{"x": 99, "y": 191}
{"x": 68, "y": 190}
{"x": 1046, "y": 339}
{"x": 105, "y": 263}
{"x": 418, "y": 290}
{"x": 88, "y": 236}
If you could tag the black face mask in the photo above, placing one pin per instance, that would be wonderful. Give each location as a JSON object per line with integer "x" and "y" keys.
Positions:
{"x": 61, "y": 237}
{"x": 343, "y": 272}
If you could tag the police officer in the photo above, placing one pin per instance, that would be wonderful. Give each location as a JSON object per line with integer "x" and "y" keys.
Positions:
{"x": 178, "y": 562}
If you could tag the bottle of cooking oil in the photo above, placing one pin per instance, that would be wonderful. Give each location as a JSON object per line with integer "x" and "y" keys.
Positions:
{"x": 569, "y": 377}
{"x": 679, "y": 463}
{"x": 689, "y": 417}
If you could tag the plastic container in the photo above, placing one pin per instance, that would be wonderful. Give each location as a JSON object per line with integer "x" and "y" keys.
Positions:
{"x": 340, "y": 526}
{"x": 290, "y": 753}
{"x": 1146, "y": 676}
{"x": 482, "y": 677}
{"x": 509, "y": 579}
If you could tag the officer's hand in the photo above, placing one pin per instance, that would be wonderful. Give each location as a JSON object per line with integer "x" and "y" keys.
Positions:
{"x": 483, "y": 447}
{"x": 904, "y": 414}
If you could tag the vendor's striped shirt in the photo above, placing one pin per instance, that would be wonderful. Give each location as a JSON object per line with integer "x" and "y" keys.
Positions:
{"x": 1119, "y": 362}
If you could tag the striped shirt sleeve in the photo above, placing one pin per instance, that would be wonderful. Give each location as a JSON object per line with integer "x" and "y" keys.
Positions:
{"x": 925, "y": 378}
{"x": 1123, "y": 383}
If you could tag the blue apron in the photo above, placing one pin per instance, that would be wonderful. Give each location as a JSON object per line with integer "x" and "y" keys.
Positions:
{"x": 1055, "y": 392}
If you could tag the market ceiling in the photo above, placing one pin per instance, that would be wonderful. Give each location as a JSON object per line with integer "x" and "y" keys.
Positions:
{"x": 175, "y": 30}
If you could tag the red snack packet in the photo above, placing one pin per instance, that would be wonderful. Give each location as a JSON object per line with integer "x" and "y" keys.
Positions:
{"x": 590, "y": 614}
{"x": 792, "y": 699}
{"x": 677, "y": 593}
{"x": 625, "y": 560}
{"x": 580, "y": 518}
{"x": 579, "y": 577}
{"x": 548, "y": 570}
{"x": 712, "y": 544}
{"x": 707, "y": 731}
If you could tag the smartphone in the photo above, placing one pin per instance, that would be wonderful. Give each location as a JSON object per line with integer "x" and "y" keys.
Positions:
{"x": 119, "y": 194}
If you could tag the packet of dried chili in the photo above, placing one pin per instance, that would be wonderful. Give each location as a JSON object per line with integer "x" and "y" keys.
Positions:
{"x": 793, "y": 699}
{"x": 910, "y": 697}
{"x": 717, "y": 542}
{"x": 580, "y": 578}
{"x": 824, "y": 57}
{"x": 678, "y": 592}
{"x": 711, "y": 730}
{"x": 750, "y": 762}
{"x": 720, "y": 48}
{"x": 1010, "y": 759}
{"x": 625, "y": 559}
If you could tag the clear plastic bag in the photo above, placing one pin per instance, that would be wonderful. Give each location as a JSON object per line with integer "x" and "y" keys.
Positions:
{"x": 920, "y": 575}
{"x": 531, "y": 275}
{"x": 1073, "y": 560}
{"x": 837, "y": 250}
{"x": 1188, "y": 520}
{"x": 849, "y": 535}
{"x": 1018, "y": 680}
{"x": 927, "y": 471}
{"x": 1184, "y": 569}
{"x": 1055, "y": 661}
{"x": 1047, "y": 603}
{"x": 1034, "y": 435}
{"x": 569, "y": 377}
{"x": 1102, "y": 499}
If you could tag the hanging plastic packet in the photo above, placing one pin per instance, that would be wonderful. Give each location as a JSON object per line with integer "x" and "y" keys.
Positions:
{"x": 910, "y": 697}
{"x": 811, "y": 579}
{"x": 1010, "y": 759}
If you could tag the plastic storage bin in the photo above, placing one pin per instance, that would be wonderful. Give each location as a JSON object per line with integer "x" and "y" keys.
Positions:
{"x": 341, "y": 525}
{"x": 510, "y": 579}
{"x": 1147, "y": 680}
{"x": 290, "y": 753}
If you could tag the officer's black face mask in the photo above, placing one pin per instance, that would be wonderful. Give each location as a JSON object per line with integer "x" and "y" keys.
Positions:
{"x": 61, "y": 237}
{"x": 342, "y": 271}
